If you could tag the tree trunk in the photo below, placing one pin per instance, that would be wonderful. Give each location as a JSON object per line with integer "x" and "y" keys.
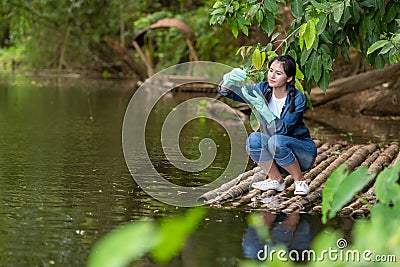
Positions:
{"x": 374, "y": 92}
{"x": 126, "y": 56}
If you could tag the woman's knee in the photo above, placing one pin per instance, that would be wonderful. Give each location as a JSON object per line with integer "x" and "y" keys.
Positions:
{"x": 276, "y": 143}
{"x": 256, "y": 147}
{"x": 256, "y": 140}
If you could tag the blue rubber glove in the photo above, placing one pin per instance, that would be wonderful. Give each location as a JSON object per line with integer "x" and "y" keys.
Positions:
{"x": 234, "y": 76}
{"x": 259, "y": 104}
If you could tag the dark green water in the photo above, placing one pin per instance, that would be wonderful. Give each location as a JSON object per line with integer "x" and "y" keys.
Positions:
{"x": 64, "y": 182}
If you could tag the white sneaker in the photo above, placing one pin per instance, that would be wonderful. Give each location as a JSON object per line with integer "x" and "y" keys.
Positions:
{"x": 269, "y": 184}
{"x": 301, "y": 188}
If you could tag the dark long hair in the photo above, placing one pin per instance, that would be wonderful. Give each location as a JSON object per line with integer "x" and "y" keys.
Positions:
{"x": 289, "y": 66}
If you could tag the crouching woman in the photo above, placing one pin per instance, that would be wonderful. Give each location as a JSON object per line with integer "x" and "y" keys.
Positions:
{"x": 285, "y": 145}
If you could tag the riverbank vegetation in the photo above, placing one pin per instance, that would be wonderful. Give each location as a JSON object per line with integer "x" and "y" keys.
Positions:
{"x": 70, "y": 36}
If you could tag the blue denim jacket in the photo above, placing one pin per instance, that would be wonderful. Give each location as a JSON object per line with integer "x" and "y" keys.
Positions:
{"x": 289, "y": 123}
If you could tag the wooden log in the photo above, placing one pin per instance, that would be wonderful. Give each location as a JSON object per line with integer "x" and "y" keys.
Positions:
{"x": 385, "y": 158}
{"x": 208, "y": 196}
{"x": 348, "y": 85}
{"x": 323, "y": 148}
{"x": 351, "y": 158}
{"x": 321, "y": 178}
{"x": 310, "y": 175}
{"x": 359, "y": 156}
{"x": 395, "y": 160}
{"x": 371, "y": 159}
{"x": 318, "y": 142}
{"x": 239, "y": 189}
{"x": 375, "y": 167}
{"x": 326, "y": 154}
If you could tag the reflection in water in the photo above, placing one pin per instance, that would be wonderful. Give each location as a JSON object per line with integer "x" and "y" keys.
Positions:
{"x": 293, "y": 231}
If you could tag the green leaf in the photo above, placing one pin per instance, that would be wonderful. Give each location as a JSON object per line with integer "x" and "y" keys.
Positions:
{"x": 218, "y": 11}
{"x": 320, "y": 6}
{"x": 381, "y": 6}
{"x": 174, "y": 232}
{"x": 217, "y": 4}
{"x": 255, "y": 121}
{"x": 367, "y": 25}
{"x": 259, "y": 16}
{"x": 377, "y": 45}
{"x": 125, "y": 244}
{"x": 346, "y": 14}
{"x": 297, "y": 8}
{"x": 310, "y": 33}
{"x": 253, "y": 9}
{"x": 340, "y": 188}
{"x": 352, "y": 184}
{"x": 271, "y": 55}
{"x": 308, "y": 65}
{"x": 325, "y": 36}
{"x": 380, "y": 233}
{"x": 387, "y": 190}
{"x": 391, "y": 11}
{"x": 235, "y": 5}
{"x": 213, "y": 20}
{"x": 324, "y": 81}
{"x": 316, "y": 68}
{"x": 268, "y": 24}
{"x": 271, "y": 6}
{"x": 368, "y": 3}
{"x": 305, "y": 54}
{"x": 325, "y": 239}
{"x": 344, "y": 48}
{"x": 355, "y": 11}
{"x": 299, "y": 86}
{"x": 354, "y": 39}
{"x": 321, "y": 25}
{"x": 258, "y": 58}
{"x": 379, "y": 62}
{"x": 309, "y": 103}
{"x": 299, "y": 73}
{"x": 274, "y": 36}
{"x": 394, "y": 56}
{"x": 243, "y": 28}
{"x": 338, "y": 9}
{"x": 293, "y": 54}
{"x": 302, "y": 30}
{"x": 386, "y": 48}
{"x": 330, "y": 188}
{"x": 234, "y": 28}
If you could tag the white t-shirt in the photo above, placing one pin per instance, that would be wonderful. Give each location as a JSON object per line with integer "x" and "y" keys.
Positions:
{"x": 276, "y": 105}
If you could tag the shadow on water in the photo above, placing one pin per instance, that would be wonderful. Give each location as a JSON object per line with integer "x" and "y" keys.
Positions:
{"x": 64, "y": 182}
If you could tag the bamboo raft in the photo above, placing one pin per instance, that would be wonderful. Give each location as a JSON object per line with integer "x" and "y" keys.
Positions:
{"x": 238, "y": 191}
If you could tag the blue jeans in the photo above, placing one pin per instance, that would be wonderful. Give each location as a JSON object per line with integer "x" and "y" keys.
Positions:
{"x": 285, "y": 150}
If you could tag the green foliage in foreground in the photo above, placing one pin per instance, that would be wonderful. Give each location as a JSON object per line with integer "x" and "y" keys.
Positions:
{"x": 375, "y": 242}
{"x": 130, "y": 242}
{"x": 340, "y": 188}
{"x": 321, "y": 29}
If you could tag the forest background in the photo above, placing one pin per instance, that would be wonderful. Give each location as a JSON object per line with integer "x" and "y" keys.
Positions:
{"x": 328, "y": 39}
{"x": 69, "y": 36}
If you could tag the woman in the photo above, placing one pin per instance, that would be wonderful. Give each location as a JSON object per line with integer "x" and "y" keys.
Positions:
{"x": 285, "y": 145}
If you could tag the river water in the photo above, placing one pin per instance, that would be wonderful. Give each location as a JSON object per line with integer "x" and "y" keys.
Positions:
{"x": 64, "y": 182}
